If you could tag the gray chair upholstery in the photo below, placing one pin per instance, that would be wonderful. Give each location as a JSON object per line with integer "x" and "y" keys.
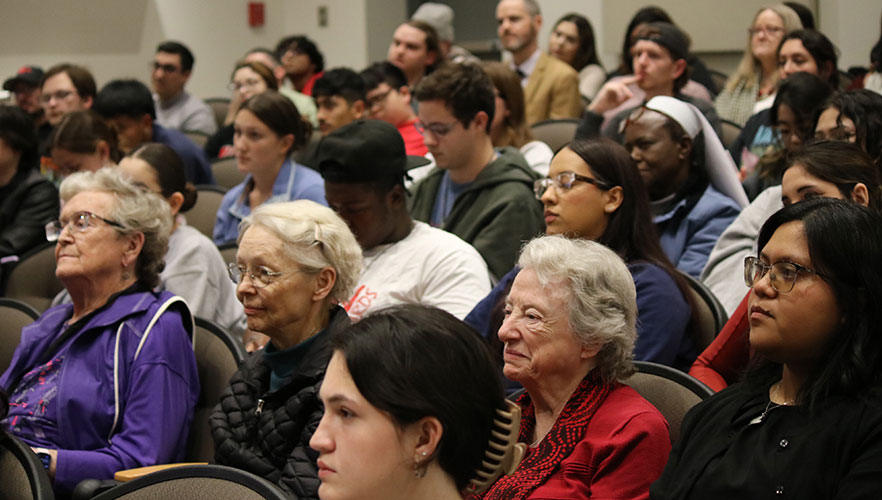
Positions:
{"x": 22, "y": 476}
{"x": 219, "y": 106}
{"x": 556, "y": 133}
{"x": 670, "y": 390}
{"x": 226, "y": 172}
{"x": 731, "y": 131}
{"x": 16, "y": 315}
{"x": 204, "y": 213}
{"x": 719, "y": 78}
{"x": 218, "y": 356}
{"x": 198, "y": 138}
{"x": 711, "y": 314}
{"x": 196, "y": 482}
{"x": 33, "y": 280}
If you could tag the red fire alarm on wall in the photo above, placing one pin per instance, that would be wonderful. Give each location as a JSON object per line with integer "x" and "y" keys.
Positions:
{"x": 255, "y": 14}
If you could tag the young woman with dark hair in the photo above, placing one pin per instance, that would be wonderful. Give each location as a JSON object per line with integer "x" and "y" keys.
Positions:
{"x": 410, "y": 396}
{"x": 572, "y": 41}
{"x": 194, "y": 268}
{"x": 82, "y": 140}
{"x": 811, "y": 52}
{"x": 594, "y": 191}
{"x": 853, "y": 116}
{"x": 807, "y": 421}
{"x": 267, "y": 129}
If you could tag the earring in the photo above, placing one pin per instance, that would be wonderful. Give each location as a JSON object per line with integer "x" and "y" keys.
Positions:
{"x": 126, "y": 275}
{"x": 420, "y": 465}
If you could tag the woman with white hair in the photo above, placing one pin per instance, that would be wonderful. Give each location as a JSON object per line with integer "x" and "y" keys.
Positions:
{"x": 295, "y": 263}
{"x": 108, "y": 381}
{"x": 692, "y": 181}
{"x": 569, "y": 332}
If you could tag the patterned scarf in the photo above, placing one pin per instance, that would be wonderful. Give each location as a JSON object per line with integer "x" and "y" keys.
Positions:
{"x": 543, "y": 460}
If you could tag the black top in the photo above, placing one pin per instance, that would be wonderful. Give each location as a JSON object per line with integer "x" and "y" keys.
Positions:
{"x": 726, "y": 451}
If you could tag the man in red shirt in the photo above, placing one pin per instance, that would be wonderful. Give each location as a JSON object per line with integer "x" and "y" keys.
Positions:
{"x": 303, "y": 62}
{"x": 388, "y": 99}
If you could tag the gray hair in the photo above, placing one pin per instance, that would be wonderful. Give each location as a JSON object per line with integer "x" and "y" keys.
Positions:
{"x": 135, "y": 208}
{"x": 602, "y": 300}
{"x": 532, "y": 7}
{"x": 315, "y": 237}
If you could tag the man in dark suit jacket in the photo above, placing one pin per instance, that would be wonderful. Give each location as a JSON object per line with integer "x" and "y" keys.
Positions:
{"x": 551, "y": 87}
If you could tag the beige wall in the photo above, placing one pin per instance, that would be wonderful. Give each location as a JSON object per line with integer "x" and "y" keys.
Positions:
{"x": 116, "y": 38}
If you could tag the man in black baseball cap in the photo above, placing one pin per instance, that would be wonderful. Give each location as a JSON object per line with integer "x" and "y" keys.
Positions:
{"x": 364, "y": 166}
{"x": 25, "y": 86}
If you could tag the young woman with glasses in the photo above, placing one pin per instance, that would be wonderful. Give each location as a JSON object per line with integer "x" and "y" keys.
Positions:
{"x": 807, "y": 421}
{"x": 594, "y": 191}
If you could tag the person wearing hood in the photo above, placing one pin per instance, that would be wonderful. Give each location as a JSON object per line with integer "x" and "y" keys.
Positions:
{"x": 482, "y": 195}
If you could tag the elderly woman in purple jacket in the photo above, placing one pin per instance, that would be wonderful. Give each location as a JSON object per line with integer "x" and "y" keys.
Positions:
{"x": 109, "y": 381}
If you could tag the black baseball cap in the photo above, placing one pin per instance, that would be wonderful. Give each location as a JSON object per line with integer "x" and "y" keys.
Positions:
{"x": 365, "y": 151}
{"x": 31, "y": 75}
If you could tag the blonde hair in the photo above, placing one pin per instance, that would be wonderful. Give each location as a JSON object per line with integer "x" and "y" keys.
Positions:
{"x": 315, "y": 237}
{"x": 749, "y": 69}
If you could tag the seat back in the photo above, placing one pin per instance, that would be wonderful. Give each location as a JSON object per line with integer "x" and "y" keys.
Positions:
{"x": 228, "y": 251}
{"x": 204, "y": 213}
{"x": 719, "y": 78}
{"x": 218, "y": 356}
{"x": 711, "y": 314}
{"x": 219, "y": 106}
{"x": 196, "y": 482}
{"x": 731, "y": 131}
{"x": 22, "y": 476}
{"x": 198, "y": 138}
{"x": 226, "y": 172}
{"x": 556, "y": 133}
{"x": 668, "y": 389}
{"x": 15, "y": 316}
{"x": 33, "y": 280}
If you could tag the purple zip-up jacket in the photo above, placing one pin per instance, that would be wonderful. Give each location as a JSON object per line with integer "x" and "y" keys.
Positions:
{"x": 121, "y": 403}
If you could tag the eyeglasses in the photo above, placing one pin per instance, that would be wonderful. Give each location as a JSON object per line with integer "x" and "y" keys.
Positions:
{"x": 79, "y": 223}
{"x": 59, "y": 96}
{"x": 378, "y": 99}
{"x": 768, "y": 30}
{"x": 782, "y": 274}
{"x": 166, "y": 68}
{"x": 564, "y": 182}
{"x": 840, "y": 133}
{"x": 247, "y": 84}
{"x": 261, "y": 277}
{"x": 437, "y": 129}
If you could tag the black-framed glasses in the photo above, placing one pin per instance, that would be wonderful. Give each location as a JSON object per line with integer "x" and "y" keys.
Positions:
{"x": 261, "y": 276}
{"x": 81, "y": 221}
{"x": 768, "y": 30}
{"x": 437, "y": 129}
{"x": 564, "y": 182}
{"x": 782, "y": 274}
{"x": 839, "y": 133}
{"x": 247, "y": 84}
{"x": 378, "y": 99}
{"x": 166, "y": 68}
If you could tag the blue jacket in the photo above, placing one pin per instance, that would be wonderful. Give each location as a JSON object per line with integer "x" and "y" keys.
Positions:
{"x": 662, "y": 315}
{"x": 121, "y": 399}
{"x": 294, "y": 182}
{"x": 196, "y": 164}
{"x": 688, "y": 235}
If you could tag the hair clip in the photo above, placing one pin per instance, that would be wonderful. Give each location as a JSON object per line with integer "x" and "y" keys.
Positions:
{"x": 504, "y": 452}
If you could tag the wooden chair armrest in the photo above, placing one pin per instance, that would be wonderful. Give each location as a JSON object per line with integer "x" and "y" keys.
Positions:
{"x": 124, "y": 476}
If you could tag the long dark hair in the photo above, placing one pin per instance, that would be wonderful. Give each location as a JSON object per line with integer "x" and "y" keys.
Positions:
{"x": 843, "y": 240}
{"x": 843, "y": 164}
{"x": 587, "y": 52}
{"x": 18, "y": 131}
{"x": 415, "y": 361}
{"x": 822, "y": 51}
{"x": 169, "y": 169}
{"x": 630, "y": 231}
{"x": 864, "y": 108}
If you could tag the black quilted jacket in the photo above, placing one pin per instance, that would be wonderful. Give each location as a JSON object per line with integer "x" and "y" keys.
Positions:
{"x": 267, "y": 433}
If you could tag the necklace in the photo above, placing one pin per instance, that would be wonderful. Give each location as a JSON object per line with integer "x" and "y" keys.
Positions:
{"x": 775, "y": 392}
